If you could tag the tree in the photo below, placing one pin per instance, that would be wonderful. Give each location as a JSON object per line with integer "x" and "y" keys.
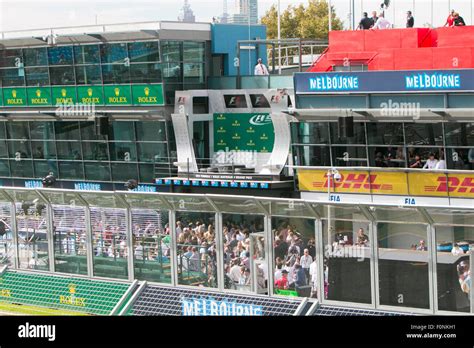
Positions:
{"x": 306, "y": 22}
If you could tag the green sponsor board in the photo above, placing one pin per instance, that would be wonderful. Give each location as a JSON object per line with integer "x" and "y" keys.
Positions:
{"x": 74, "y": 294}
{"x": 14, "y": 97}
{"x": 39, "y": 96}
{"x": 148, "y": 94}
{"x": 243, "y": 132}
{"x": 118, "y": 95}
{"x": 64, "y": 95}
{"x": 90, "y": 95}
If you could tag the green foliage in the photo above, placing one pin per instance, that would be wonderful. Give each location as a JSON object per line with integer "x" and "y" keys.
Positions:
{"x": 306, "y": 22}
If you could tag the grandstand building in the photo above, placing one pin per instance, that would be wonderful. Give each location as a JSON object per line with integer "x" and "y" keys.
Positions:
{"x": 360, "y": 168}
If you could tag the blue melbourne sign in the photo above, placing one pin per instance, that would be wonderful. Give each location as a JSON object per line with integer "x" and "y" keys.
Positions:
{"x": 87, "y": 186}
{"x": 385, "y": 81}
{"x": 211, "y": 307}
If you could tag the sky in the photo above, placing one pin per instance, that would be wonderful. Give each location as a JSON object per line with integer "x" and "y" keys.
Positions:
{"x": 27, "y": 14}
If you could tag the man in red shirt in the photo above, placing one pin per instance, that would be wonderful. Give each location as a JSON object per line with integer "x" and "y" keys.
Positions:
{"x": 282, "y": 283}
{"x": 450, "y": 20}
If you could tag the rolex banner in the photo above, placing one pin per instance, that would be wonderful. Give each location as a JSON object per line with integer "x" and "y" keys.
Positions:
{"x": 243, "y": 132}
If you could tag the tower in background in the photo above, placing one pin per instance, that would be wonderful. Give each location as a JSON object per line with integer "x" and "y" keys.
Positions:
{"x": 246, "y": 11}
{"x": 187, "y": 14}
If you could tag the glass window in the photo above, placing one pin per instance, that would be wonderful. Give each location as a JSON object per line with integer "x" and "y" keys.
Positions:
{"x": 294, "y": 251}
{"x": 151, "y": 245}
{"x": 70, "y": 239}
{"x": 19, "y": 149}
{"x": 69, "y": 150}
{"x": 35, "y": 56}
{"x": 3, "y": 149}
{"x": 312, "y": 155}
{"x": 151, "y": 131}
{"x": 115, "y": 74}
{"x": 245, "y": 256}
{"x": 172, "y": 72}
{"x": 11, "y": 78}
{"x": 67, "y": 130}
{"x": 124, "y": 152}
{"x": 403, "y": 265}
{"x": 124, "y": 171}
{"x": 193, "y": 72}
{"x": 42, "y": 130}
{"x": 97, "y": 171}
{"x": 349, "y": 156}
{"x": 424, "y": 134}
{"x": 385, "y": 133}
{"x": 123, "y": 130}
{"x": 17, "y": 130}
{"x": 194, "y": 51}
{"x": 423, "y": 153}
{"x": 393, "y": 157}
{"x": 9, "y": 58}
{"x": 460, "y": 159}
{"x": 96, "y": 151}
{"x": 113, "y": 53}
{"x": 144, "y": 51}
{"x": 42, "y": 168}
{"x": 196, "y": 249}
{"x": 21, "y": 169}
{"x": 71, "y": 170}
{"x": 37, "y": 76}
{"x": 310, "y": 133}
{"x": 43, "y": 149}
{"x": 109, "y": 243}
{"x": 347, "y": 261}
{"x": 86, "y": 54}
{"x": 358, "y": 138}
{"x": 88, "y": 74}
{"x": 60, "y": 55}
{"x": 145, "y": 73}
{"x": 453, "y": 267}
{"x": 147, "y": 173}
{"x": 6, "y": 241}
{"x": 32, "y": 235}
{"x": 2, "y": 130}
{"x": 88, "y": 132}
{"x": 4, "y": 168}
{"x": 152, "y": 152}
{"x": 171, "y": 51}
{"x": 459, "y": 134}
{"x": 63, "y": 75}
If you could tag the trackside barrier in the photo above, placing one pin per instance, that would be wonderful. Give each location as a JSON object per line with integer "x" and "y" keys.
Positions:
{"x": 300, "y": 308}
{"x": 130, "y": 303}
{"x": 124, "y": 298}
{"x": 3, "y": 270}
{"x": 313, "y": 308}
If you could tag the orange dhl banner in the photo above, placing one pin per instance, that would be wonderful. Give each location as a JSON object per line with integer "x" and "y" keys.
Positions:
{"x": 389, "y": 183}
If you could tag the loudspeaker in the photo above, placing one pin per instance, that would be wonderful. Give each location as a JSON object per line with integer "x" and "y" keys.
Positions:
{"x": 345, "y": 127}
{"x": 101, "y": 125}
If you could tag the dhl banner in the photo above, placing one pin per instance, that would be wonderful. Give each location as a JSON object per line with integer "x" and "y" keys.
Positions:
{"x": 389, "y": 183}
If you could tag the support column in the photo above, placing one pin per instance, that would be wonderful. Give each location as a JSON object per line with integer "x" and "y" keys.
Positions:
{"x": 14, "y": 231}
{"x": 89, "y": 242}
{"x": 220, "y": 251}
{"x": 431, "y": 248}
{"x": 375, "y": 257}
{"x": 373, "y": 284}
{"x": 174, "y": 250}
{"x": 269, "y": 253}
{"x": 50, "y": 236}
{"x": 319, "y": 241}
{"x": 128, "y": 231}
{"x": 471, "y": 264}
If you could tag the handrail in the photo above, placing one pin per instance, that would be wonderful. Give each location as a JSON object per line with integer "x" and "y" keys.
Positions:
{"x": 124, "y": 298}
{"x": 135, "y": 296}
{"x": 385, "y": 169}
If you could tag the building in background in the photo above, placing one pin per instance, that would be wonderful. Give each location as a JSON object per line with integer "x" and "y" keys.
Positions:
{"x": 187, "y": 14}
{"x": 245, "y": 11}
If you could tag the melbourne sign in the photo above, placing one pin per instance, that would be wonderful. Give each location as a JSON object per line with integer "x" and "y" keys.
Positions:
{"x": 385, "y": 81}
{"x": 211, "y": 307}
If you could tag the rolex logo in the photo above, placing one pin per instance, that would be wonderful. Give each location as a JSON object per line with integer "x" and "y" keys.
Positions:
{"x": 63, "y": 93}
{"x": 38, "y": 93}
{"x": 147, "y": 91}
{"x": 14, "y": 93}
{"x": 72, "y": 288}
{"x": 90, "y": 92}
{"x": 117, "y": 91}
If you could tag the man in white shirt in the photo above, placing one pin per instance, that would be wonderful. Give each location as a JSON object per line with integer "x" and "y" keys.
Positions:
{"x": 382, "y": 23}
{"x": 441, "y": 164}
{"x": 313, "y": 271}
{"x": 457, "y": 250}
{"x": 431, "y": 162}
{"x": 261, "y": 69}
{"x": 305, "y": 262}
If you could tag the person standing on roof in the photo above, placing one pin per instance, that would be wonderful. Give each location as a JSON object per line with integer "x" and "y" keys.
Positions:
{"x": 382, "y": 23}
{"x": 366, "y": 22}
{"x": 410, "y": 20}
{"x": 450, "y": 20}
{"x": 261, "y": 69}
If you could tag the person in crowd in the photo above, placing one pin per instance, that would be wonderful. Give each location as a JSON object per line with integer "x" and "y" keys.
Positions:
{"x": 311, "y": 247}
{"x": 416, "y": 163}
{"x": 362, "y": 239}
{"x": 366, "y": 22}
{"x": 456, "y": 250}
{"x": 458, "y": 20}
{"x": 410, "y": 20}
{"x": 313, "y": 272}
{"x": 69, "y": 244}
{"x": 278, "y": 268}
{"x": 464, "y": 273}
{"x": 422, "y": 246}
{"x": 282, "y": 282}
{"x": 261, "y": 69}
{"x": 300, "y": 276}
{"x": 450, "y": 19}
{"x": 306, "y": 260}
{"x": 234, "y": 272}
{"x": 431, "y": 162}
{"x": 382, "y": 23}
{"x": 441, "y": 165}
{"x": 374, "y": 18}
